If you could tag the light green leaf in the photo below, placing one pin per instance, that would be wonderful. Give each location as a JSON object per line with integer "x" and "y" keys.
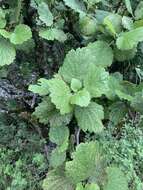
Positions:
{"x": 45, "y": 14}
{"x": 77, "y": 63}
{"x": 92, "y": 186}
{"x": 60, "y": 95}
{"x": 129, "y": 40}
{"x": 123, "y": 95}
{"x": 113, "y": 23}
{"x": 127, "y": 23}
{"x": 118, "y": 111}
{"x": 53, "y": 34}
{"x": 21, "y": 34}
{"x": 59, "y": 135}
{"x": 55, "y": 180}
{"x": 96, "y": 81}
{"x": 41, "y": 88}
{"x": 7, "y": 52}
{"x": 128, "y": 6}
{"x": 90, "y": 118}
{"x": 81, "y": 98}
{"x": 76, "y": 5}
{"x": 84, "y": 163}
{"x": 139, "y": 11}
{"x": 76, "y": 85}
{"x": 115, "y": 179}
{"x": 57, "y": 158}
{"x": 88, "y": 26}
{"x": 4, "y": 33}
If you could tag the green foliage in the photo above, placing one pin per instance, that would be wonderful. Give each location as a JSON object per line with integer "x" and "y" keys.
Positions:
{"x": 116, "y": 179}
{"x": 90, "y": 118}
{"x": 81, "y": 124}
{"x": 44, "y": 14}
{"x": 84, "y": 163}
{"x": 7, "y": 52}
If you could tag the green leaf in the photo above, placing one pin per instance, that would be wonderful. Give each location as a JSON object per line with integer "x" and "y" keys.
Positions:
{"x": 115, "y": 80}
{"x": 2, "y": 18}
{"x": 90, "y": 118}
{"x": 124, "y": 55}
{"x": 76, "y": 85}
{"x": 59, "y": 135}
{"x": 127, "y": 23}
{"x": 128, "y": 6}
{"x": 76, "y": 5}
{"x": 77, "y": 63}
{"x": 88, "y": 26}
{"x": 45, "y": 14}
{"x": 44, "y": 110}
{"x": 123, "y": 95}
{"x": 81, "y": 98}
{"x": 118, "y": 111}
{"x": 21, "y": 34}
{"x": 56, "y": 119}
{"x": 53, "y": 34}
{"x": 55, "y": 180}
{"x": 91, "y": 186}
{"x": 129, "y": 40}
{"x": 115, "y": 179}
{"x": 5, "y": 34}
{"x": 139, "y": 11}
{"x": 60, "y": 95}
{"x": 84, "y": 163}
{"x": 57, "y": 158}
{"x": 137, "y": 102}
{"x": 41, "y": 88}
{"x": 96, "y": 81}
{"x": 7, "y": 52}
{"x": 113, "y": 23}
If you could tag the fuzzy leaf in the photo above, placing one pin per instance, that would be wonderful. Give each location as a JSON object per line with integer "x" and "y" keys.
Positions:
{"x": 128, "y": 6}
{"x": 44, "y": 110}
{"x": 116, "y": 179}
{"x": 91, "y": 186}
{"x": 75, "y": 85}
{"x": 129, "y": 40}
{"x": 113, "y": 23}
{"x": 123, "y": 55}
{"x": 55, "y": 180}
{"x": 41, "y": 88}
{"x": 84, "y": 163}
{"x": 59, "y": 135}
{"x": 76, "y": 5}
{"x": 21, "y": 34}
{"x": 137, "y": 102}
{"x": 127, "y": 23}
{"x": 96, "y": 81}
{"x": 57, "y": 158}
{"x": 44, "y": 14}
{"x": 139, "y": 11}
{"x": 77, "y": 63}
{"x": 118, "y": 111}
{"x": 60, "y": 95}
{"x": 90, "y": 118}
{"x": 7, "y": 52}
{"x": 53, "y": 34}
{"x": 81, "y": 98}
